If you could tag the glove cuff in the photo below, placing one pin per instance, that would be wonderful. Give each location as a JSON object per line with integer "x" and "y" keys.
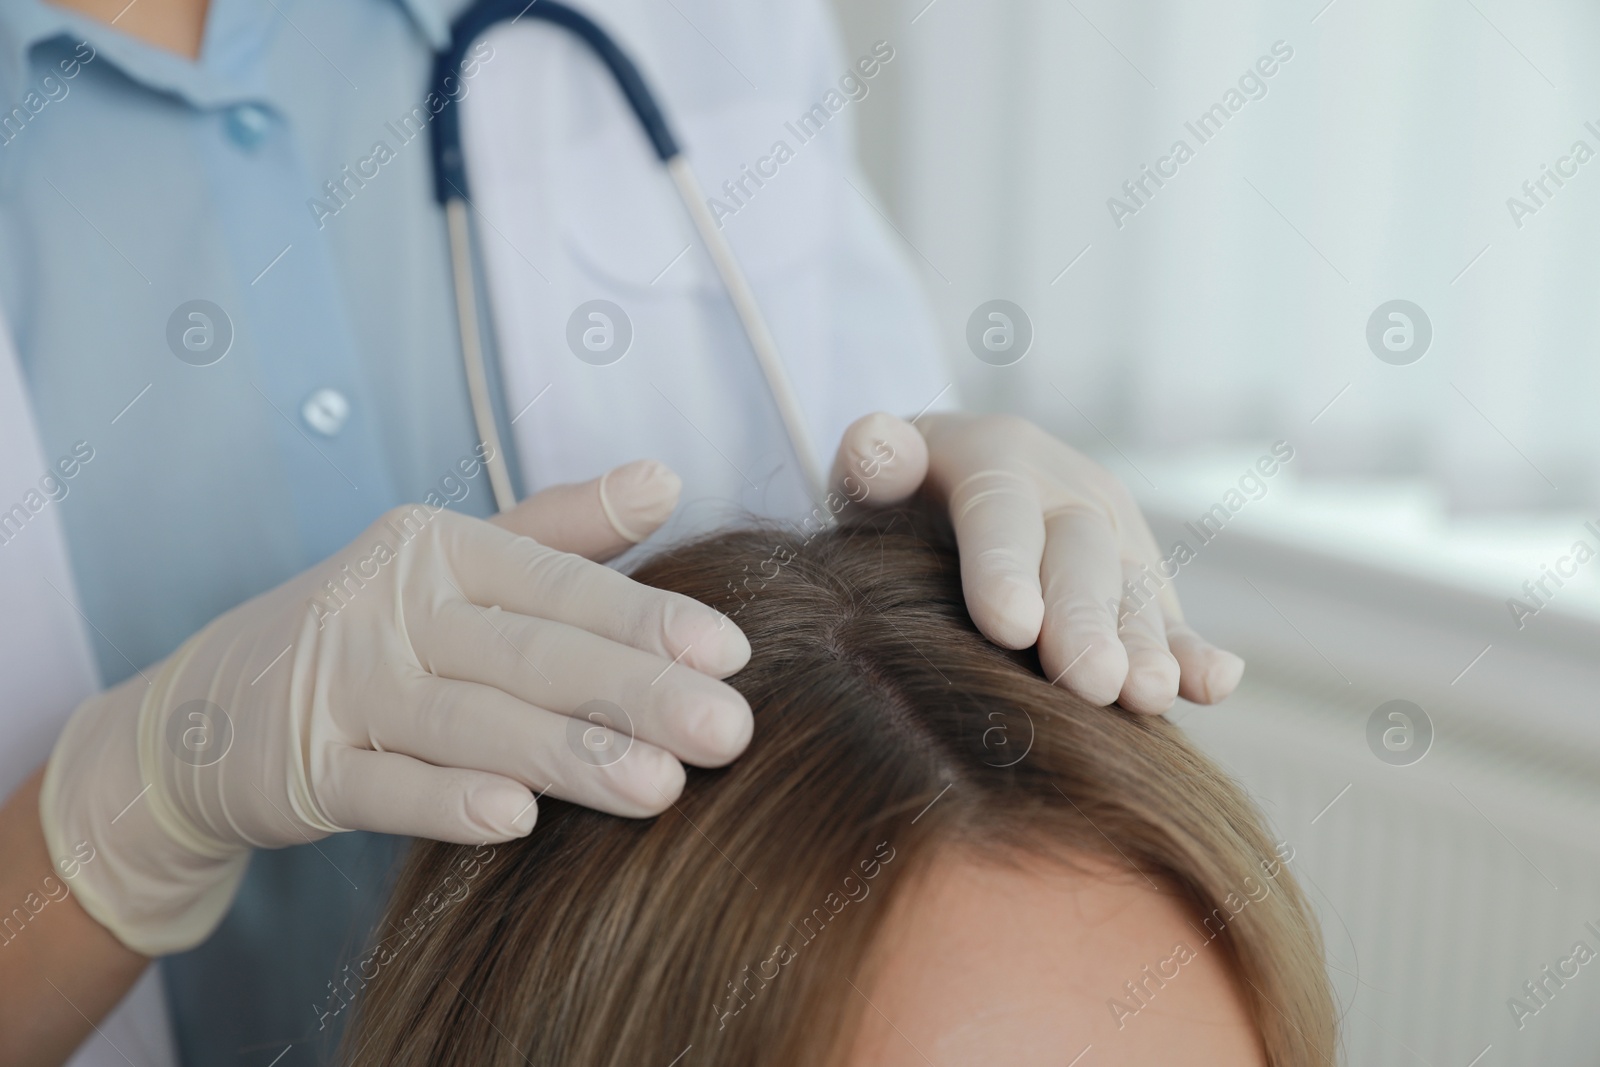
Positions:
{"x": 102, "y": 826}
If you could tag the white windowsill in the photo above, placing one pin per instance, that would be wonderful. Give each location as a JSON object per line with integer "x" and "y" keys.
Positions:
{"x": 1375, "y": 589}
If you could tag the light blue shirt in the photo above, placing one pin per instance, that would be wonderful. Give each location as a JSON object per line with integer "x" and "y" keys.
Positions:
{"x": 150, "y": 182}
{"x": 134, "y": 183}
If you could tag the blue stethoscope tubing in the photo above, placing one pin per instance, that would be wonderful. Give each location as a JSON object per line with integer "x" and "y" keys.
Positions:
{"x": 450, "y": 187}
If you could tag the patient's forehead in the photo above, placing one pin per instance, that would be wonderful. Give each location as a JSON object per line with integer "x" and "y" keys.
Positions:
{"x": 1018, "y": 965}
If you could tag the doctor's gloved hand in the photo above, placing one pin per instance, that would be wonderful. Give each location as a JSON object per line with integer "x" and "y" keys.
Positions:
{"x": 1047, "y": 540}
{"x": 433, "y": 679}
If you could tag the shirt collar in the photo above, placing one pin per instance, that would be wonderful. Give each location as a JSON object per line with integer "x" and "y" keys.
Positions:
{"x": 22, "y": 25}
{"x": 433, "y": 18}
{"x": 237, "y": 33}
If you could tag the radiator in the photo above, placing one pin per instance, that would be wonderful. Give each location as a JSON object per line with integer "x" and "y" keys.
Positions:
{"x": 1442, "y": 886}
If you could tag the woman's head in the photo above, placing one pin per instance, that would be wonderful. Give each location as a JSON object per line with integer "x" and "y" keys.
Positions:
{"x": 928, "y": 855}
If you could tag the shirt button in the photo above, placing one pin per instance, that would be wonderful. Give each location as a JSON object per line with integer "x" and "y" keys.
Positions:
{"x": 325, "y": 411}
{"x": 247, "y": 124}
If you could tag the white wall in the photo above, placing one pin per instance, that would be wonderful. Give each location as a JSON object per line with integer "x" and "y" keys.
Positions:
{"x": 1234, "y": 304}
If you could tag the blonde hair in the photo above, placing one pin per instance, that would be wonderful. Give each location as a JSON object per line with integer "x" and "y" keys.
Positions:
{"x": 608, "y": 942}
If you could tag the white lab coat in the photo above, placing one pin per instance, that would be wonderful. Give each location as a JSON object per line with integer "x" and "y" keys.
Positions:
{"x": 577, "y": 208}
{"x": 570, "y": 206}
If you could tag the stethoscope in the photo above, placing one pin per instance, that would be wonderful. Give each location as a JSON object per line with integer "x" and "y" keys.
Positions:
{"x": 450, "y": 186}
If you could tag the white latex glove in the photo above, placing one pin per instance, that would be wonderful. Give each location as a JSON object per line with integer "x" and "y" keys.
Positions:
{"x": 1047, "y": 539}
{"x": 425, "y": 687}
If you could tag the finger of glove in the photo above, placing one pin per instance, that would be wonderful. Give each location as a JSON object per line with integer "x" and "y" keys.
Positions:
{"x": 592, "y": 758}
{"x": 1152, "y": 683}
{"x": 525, "y": 577}
{"x": 1138, "y": 542}
{"x": 1079, "y": 648}
{"x": 564, "y": 669}
{"x": 389, "y": 793}
{"x": 601, "y": 518}
{"x": 1000, "y": 536}
{"x": 1207, "y": 673}
{"x": 881, "y": 460}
